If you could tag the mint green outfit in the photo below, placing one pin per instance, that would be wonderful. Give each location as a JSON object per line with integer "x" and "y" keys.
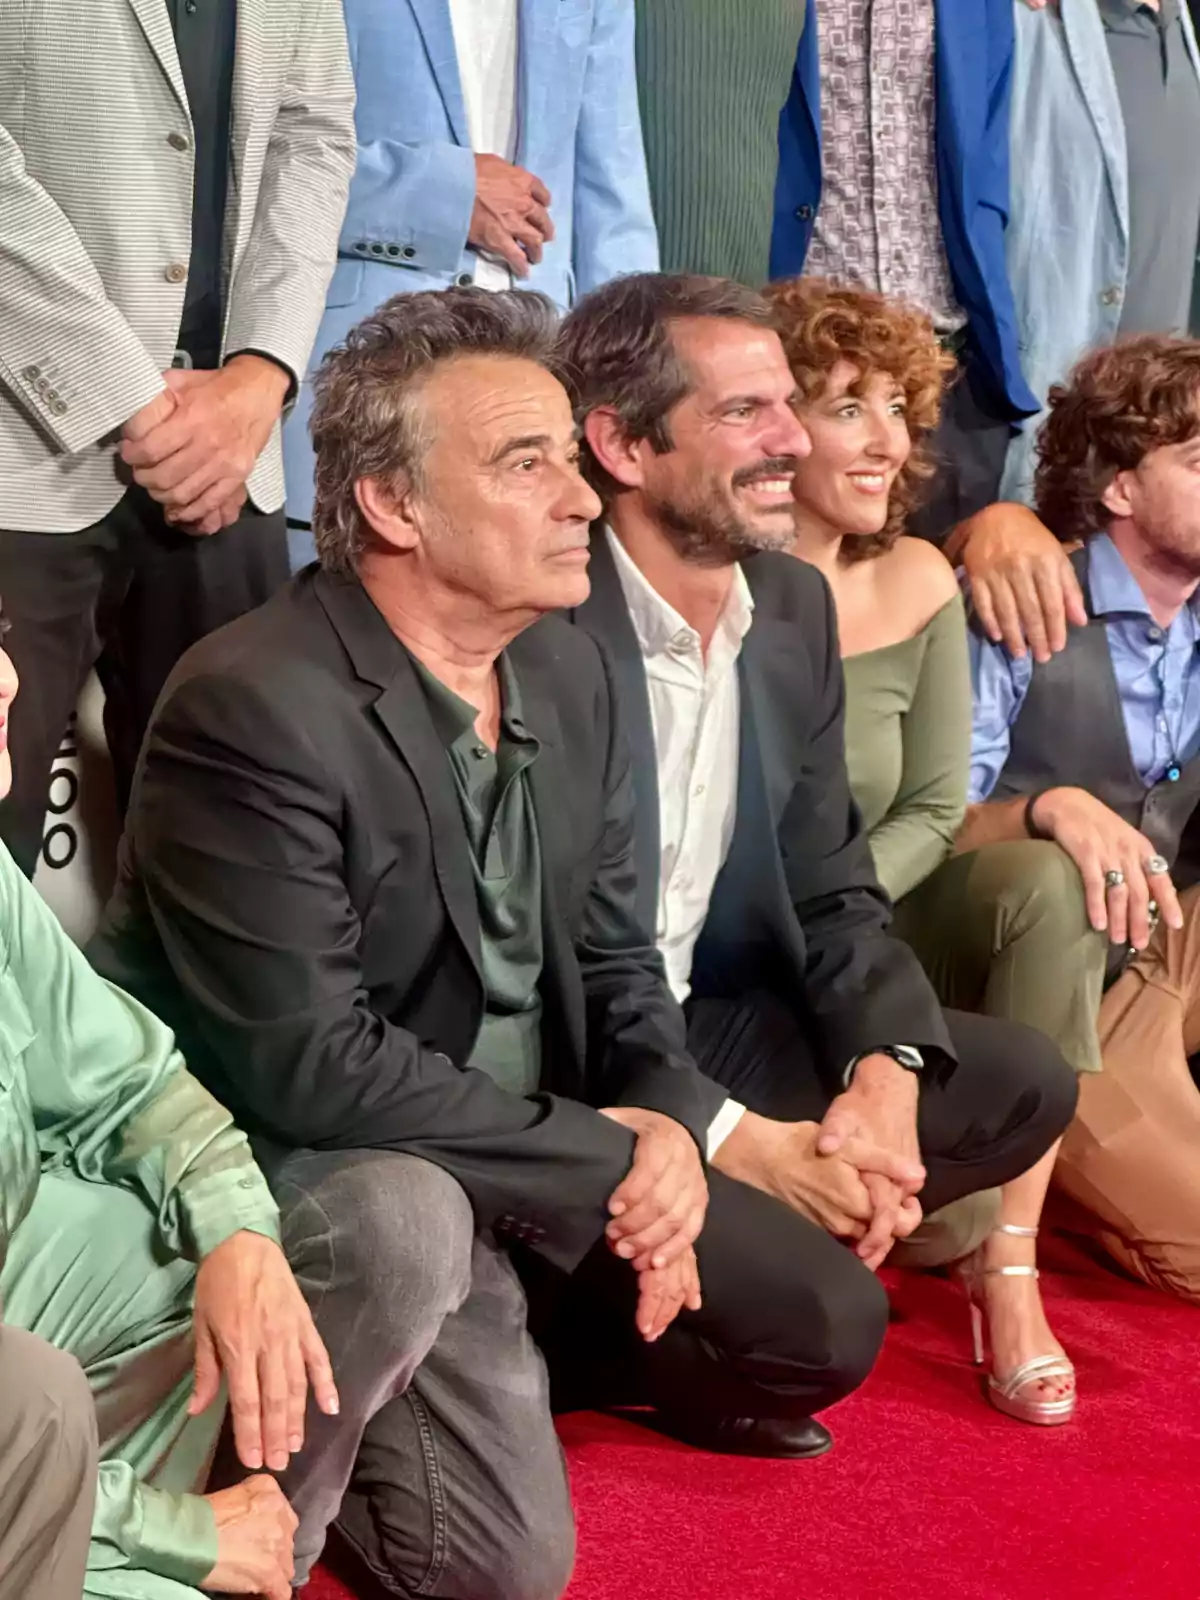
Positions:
{"x": 118, "y": 1172}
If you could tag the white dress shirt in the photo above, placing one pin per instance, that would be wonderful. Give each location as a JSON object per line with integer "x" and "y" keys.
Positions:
{"x": 485, "y": 38}
{"x": 695, "y": 712}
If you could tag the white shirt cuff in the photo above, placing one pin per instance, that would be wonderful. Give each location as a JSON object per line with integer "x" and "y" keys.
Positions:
{"x": 723, "y": 1124}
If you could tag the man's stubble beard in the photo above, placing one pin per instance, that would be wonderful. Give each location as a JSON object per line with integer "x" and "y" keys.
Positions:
{"x": 707, "y": 531}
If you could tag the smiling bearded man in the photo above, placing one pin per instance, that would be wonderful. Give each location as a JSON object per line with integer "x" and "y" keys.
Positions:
{"x": 851, "y": 1096}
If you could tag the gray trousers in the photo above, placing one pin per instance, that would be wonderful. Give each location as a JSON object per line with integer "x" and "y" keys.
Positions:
{"x": 48, "y": 1469}
{"x": 443, "y": 1470}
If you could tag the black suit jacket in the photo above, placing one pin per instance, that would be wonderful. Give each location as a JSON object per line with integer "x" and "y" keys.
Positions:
{"x": 797, "y": 907}
{"x": 295, "y": 898}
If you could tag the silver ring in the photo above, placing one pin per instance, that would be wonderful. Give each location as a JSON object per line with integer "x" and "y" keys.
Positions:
{"x": 1156, "y": 866}
{"x": 1114, "y": 879}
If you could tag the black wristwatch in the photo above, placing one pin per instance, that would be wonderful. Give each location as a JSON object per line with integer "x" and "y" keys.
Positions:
{"x": 904, "y": 1055}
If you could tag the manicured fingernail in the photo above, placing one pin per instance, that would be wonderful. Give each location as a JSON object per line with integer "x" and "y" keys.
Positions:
{"x": 658, "y": 1261}
{"x": 332, "y": 1407}
{"x": 296, "y": 1442}
{"x": 617, "y": 1208}
{"x": 625, "y": 1249}
{"x": 253, "y": 1460}
{"x": 278, "y": 1460}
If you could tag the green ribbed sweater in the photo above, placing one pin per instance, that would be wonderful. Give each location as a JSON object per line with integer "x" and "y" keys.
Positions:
{"x": 713, "y": 76}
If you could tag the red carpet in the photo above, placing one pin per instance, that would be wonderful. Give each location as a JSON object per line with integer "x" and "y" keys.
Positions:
{"x": 928, "y": 1492}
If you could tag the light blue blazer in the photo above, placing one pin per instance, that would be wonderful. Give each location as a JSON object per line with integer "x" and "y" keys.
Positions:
{"x": 1068, "y": 224}
{"x": 411, "y": 199}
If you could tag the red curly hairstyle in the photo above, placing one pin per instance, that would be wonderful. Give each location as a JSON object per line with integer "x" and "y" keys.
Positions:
{"x": 823, "y": 323}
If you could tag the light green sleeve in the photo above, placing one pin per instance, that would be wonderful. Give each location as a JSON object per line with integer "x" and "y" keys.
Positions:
{"x": 111, "y": 1096}
{"x": 112, "y": 1100}
{"x": 917, "y": 834}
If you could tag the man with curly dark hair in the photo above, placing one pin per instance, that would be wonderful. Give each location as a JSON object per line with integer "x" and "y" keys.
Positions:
{"x": 1098, "y": 749}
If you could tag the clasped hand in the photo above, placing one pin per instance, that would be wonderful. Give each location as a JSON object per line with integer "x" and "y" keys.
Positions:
{"x": 194, "y": 446}
{"x": 872, "y": 1127}
{"x": 657, "y": 1213}
{"x": 856, "y": 1174}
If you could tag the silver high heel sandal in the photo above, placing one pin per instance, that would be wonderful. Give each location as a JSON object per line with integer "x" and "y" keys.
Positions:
{"x": 1006, "y": 1393}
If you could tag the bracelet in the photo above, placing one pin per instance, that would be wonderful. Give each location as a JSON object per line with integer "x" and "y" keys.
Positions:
{"x": 1031, "y": 827}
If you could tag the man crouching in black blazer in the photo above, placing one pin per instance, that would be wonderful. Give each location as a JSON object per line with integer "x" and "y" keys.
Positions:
{"x": 379, "y": 873}
{"x": 753, "y": 867}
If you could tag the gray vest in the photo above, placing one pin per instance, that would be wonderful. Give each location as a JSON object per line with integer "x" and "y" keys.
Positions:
{"x": 1071, "y": 733}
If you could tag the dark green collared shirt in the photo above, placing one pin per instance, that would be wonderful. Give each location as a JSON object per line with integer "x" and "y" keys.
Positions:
{"x": 1160, "y": 101}
{"x": 206, "y": 40}
{"x": 497, "y": 811}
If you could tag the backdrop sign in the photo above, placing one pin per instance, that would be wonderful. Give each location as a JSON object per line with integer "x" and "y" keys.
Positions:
{"x": 79, "y": 845}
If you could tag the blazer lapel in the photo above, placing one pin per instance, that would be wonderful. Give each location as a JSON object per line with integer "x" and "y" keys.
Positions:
{"x": 249, "y": 77}
{"x": 605, "y": 615}
{"x": 156, "y": 25}
{"x": 378, "y": 658}
{"x": 550, "y": 787}
{"x": 1087, "y": 48}
{"x": 536, "y": 44}
{"x": 437, "y": 31}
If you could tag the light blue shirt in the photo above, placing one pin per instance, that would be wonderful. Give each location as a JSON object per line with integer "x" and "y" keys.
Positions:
{"x": 1157, "y": 672}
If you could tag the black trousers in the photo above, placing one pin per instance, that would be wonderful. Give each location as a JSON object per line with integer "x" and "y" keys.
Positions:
{"x": 792, "y": 1320}
{"x": 969, "y": 448}
{"x": 127, "y": 596}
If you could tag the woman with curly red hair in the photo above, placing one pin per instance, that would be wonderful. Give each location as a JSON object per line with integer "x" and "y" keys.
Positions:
{"x": 998, "y": 937}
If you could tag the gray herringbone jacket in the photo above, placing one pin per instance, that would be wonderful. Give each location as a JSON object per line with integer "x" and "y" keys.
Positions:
{"x": 95, "y": 226}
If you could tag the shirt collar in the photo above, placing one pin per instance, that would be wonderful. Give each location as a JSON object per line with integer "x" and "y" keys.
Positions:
{"x": 656, "y": 622}
{"x": 1114, "y": 589}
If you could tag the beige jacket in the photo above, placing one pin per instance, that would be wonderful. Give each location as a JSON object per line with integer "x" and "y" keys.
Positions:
{"x": 95, "y": 226}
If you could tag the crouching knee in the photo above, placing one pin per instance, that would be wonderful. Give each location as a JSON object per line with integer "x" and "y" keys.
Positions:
{"x": 538, "y": 1564}
{"x": 390, "y": 1231}
{"x": 851, "y": 1319}
{"x": 47, "y": 1402}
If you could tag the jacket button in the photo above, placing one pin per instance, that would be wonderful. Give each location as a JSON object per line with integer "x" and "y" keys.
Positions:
{"x": 59, "y": 407}
{"x": 464, "y": 280}
{"x": 409, "y": 251}
{"x": 1110, "y": 297}
{"x": 803, "y": 213}
{"x": 393, "y": 249}
{"x": 32, "y": 374}
{"x": 175, "y": 273}
{"x": 178, "y": 141}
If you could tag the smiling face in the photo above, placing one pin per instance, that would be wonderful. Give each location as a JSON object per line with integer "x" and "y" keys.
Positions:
{"x": 860, "y": 443}
{"x": 724, "y": 487}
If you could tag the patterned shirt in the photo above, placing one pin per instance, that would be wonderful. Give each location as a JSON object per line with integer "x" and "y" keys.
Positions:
{"x": 878, "y": 224}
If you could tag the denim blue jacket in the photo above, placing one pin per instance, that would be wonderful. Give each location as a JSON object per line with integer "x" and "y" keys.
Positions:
{"x": 974, "y": 63}
{"x": 1068, "y": 230}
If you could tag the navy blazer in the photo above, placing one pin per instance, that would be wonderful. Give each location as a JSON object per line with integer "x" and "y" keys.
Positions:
{"x": 974, "y": 84}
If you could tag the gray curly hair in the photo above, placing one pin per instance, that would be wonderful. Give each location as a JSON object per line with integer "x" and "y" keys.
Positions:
{"x": 367, "y": 420}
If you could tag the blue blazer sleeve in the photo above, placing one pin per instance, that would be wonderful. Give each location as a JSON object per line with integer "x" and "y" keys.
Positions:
{"x": 414, "y": 200}
{"x": 614, "y": 228}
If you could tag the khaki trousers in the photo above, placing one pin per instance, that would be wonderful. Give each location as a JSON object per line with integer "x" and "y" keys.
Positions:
{"x": 1132, "y": 1156}
{"x": 48, "y": 1467}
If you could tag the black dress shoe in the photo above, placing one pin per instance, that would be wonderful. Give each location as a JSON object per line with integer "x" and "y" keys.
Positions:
{"x": 776, "y": 1438}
